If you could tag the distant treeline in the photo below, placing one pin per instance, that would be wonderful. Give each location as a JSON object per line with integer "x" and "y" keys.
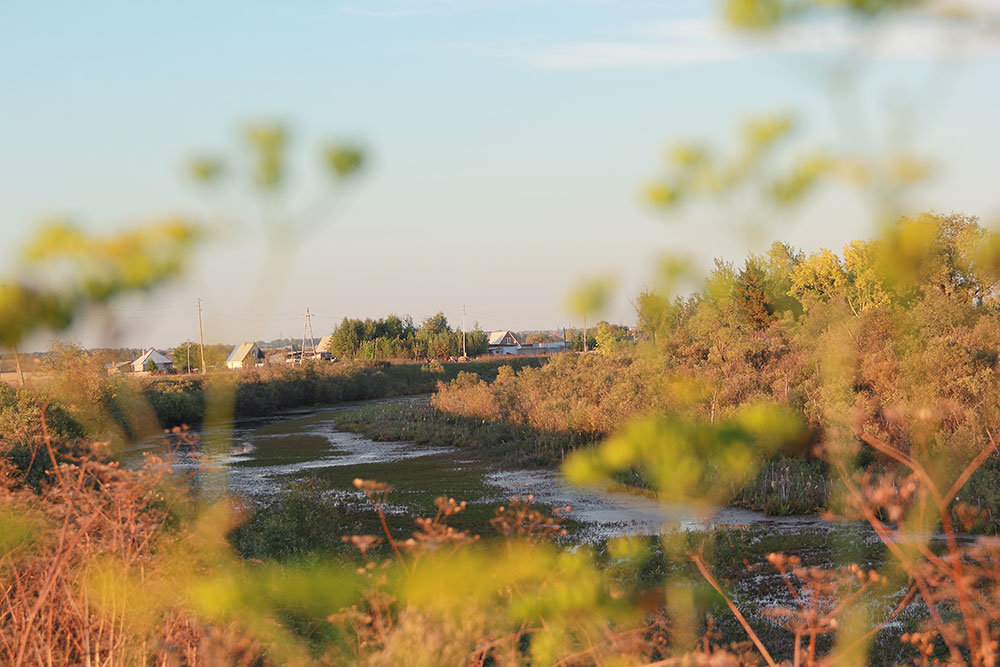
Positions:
{"x": 395, "y": 337}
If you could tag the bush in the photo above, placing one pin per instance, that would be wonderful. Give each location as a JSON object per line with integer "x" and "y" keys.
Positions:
{"x": 299, "y": 521}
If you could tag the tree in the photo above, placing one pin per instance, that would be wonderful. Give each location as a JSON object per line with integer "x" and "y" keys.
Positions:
{"x": 435, "y": 324}
{"x": 750, "y": 296}
{"x": 346, "y": 338}
{"x": 866, "y": 280}
{"x": 182, "y": 357}
{"x": 819, "y": 277}
{"x": 477, "y": 343}
{"x": 609, "y": 338}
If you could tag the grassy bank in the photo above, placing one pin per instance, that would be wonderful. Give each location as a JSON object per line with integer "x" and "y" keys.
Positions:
{"x": 782, "y": 487}
{"x": 512, "y": 444}
{"x": 264, "y": 391}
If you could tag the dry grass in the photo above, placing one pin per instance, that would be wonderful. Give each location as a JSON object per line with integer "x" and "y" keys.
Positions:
{"x": 56, "y": 607}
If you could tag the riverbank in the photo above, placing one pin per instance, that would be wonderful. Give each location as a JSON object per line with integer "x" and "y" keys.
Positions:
{"x": 783, "y": 486}
{"x": 267, "y": 390}
{"x": 423, "y": 424}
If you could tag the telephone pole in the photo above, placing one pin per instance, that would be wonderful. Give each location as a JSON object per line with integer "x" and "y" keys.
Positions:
{"x": 463, "y": 331}
{"x": 17, "y": 363}
{"x": 201, "y": 340}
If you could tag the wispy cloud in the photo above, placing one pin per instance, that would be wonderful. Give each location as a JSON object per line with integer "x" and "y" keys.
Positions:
{"x": 384, "y": 13}
{"x": 396, "y": 9}
{"x": 695, "y": 41}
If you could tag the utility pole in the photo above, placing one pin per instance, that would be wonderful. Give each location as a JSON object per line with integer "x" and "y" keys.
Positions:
{"x": 201, "y": 340}
{"x": 188, "y": 345}
{"x": 463, "y": 332}
{"x": 307, "y": 325}
{"x": 17, "y": 363}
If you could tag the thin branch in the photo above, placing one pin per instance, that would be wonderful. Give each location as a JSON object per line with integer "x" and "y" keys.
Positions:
{"x": 732, "y": 607}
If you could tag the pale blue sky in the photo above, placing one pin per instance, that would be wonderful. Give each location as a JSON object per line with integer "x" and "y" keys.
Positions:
{"x": 509, "y": 141}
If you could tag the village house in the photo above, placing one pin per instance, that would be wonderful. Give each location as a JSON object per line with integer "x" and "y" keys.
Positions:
{"x": 245, "y": 355}
{"x": 323, "y": 348}
{"x": 161, "y": 362}
{"x": 503, "y": 342}
{"x": 507, "y": 343}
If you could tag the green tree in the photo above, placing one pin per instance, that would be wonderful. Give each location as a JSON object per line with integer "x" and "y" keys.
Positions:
{"x": 186, "y": 356}
{"x": 819, "y": 277}
{"x": 435, "y": 324}
{"x": 609, "y": 339}
{"x": 477, "y": 342}
{"x": 750, "y": 295}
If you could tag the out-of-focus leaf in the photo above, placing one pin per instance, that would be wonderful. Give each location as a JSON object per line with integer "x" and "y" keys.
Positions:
{"x": 591, "y": 296}
{"x": 206, "y": 170}
{"x": 66, "y": 270}
{"x": 803, "y": 177}
{"x": 687, "y": 155}
{"x": 761, "y": 133}
{"x": 268, "y": 141}
{"x": 764, "y": 14}
{"x": 24, "y": 310}
{"x": 662, "y": 194}
{"x": 690, "y": 462}
{"x": 18, "y": 530}
{"x": 343, "y": 160}
{"x": 754, "y": 14}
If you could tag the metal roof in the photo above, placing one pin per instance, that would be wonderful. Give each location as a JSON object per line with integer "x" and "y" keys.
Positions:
{"x": 157, "y": 358}
{"x": 496, "y": 338}
{"x": 240, "y": 352}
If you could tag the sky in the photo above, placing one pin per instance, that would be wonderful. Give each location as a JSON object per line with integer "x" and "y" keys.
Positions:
{"x": 507, "y": 144}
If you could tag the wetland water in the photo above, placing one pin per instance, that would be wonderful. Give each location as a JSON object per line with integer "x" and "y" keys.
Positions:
{"x": 258, "y": 458}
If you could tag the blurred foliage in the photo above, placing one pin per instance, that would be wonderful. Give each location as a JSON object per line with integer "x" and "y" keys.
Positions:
{"x": 761, "y": 14}
{"x": 66, "y": 271}
{"x": 344, "y": 160}
{"x": 766, "y": 171}
{"x": 590, "y": 297}
{"x": 18, "y": 530}
{"x": 267, "y": 145}
{"x": 688, "y": 462}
